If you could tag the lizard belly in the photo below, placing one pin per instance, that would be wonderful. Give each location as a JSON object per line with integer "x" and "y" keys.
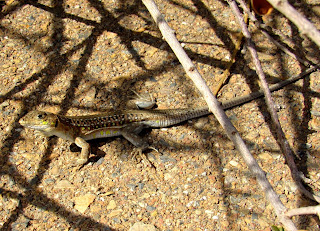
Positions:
{"x": 102, "y": 133}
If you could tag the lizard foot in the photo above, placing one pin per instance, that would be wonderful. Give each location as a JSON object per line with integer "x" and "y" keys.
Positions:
{"x": 141, "y": 101}
{"x": 139, "y": 152}
{"x": 78, "y": 164}
{"x": 81, "y": 161}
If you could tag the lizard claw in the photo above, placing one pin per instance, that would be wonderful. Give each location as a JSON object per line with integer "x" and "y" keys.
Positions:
{"x": 150, "y": 147}
{"x": 139, "y": 152}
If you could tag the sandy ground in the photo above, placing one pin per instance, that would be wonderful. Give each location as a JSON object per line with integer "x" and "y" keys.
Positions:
{"x": 81, "y": 57}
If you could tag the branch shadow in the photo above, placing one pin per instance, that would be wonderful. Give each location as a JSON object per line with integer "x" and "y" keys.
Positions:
{"x": 44, "y": 79}
{"x": 47, "y": 75}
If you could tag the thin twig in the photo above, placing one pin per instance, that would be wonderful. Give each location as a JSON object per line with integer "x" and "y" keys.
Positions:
{"x": 215, "y": 107}
{"x": 303, "y": 24}
{"x": 263, "y": 30}
{"x": 304, "y": 211}
{"x": 280, "y": 134}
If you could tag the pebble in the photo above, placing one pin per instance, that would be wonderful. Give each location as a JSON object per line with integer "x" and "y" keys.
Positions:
{"x": 168, "y": 176}
{"x": 64, "y": 184}
{"x": 139, "y": 226}
{"x": 100, "y": 161}
{"x": 233, "y": 163}
{"x": 20, "y": 224}
{"x": 265, "y": 156}
{"x": 141, "y": 185}
{"x": 112, "y": 205}
{"x": 132, "y": 187}
{"x": 115, "y": 213}
{"x": 83, "y": 202}
{"x": 55, "y": 170}
{"x": 166, "y": 159}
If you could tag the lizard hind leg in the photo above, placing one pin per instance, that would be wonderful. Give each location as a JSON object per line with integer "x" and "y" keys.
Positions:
{"x": 141, "y": 101}
{"x": 130, "y": 133}
{"x": 85, "y": 151}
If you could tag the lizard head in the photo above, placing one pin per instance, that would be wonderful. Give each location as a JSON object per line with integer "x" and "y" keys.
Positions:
{"x": 39, "y": 120}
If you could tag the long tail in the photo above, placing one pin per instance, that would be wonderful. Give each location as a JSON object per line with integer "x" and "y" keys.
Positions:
{"x": 244, "y": 99}
{"x": 169, "y": 117}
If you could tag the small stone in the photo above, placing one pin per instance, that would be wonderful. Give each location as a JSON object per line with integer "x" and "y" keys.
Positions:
{"x": 21, "y": 223}
{"x": 265, "y": 156}
{"x": 100, "y": 161}
{"x": 139, "y": 226}
{"x": 145, "y": 195}
{"x": 154, "y": 213}
{"x": 108, "y": 193}
{"x": 142, "y": 204}
{"x": 252, "y": 135}
{"x": 233, "y": 163}
{"x": 168, "y": 176}
{"x": 201, "y": 122}
{"x": 140, "y": 185}
{"x": 83, "y": 202}
{"x": 293, "y": 187}
{"x": 111, "y": 35}
{"x": 198, "y": 212}
{"x": 165, "y": 159}
{"x": 49, "y": 181}
{"x": 63, "y": 184}
{"x": 150, "y": 208}
{"x": 254, "y": 216}
{"x": 132, "y": 187}
{"x": 112, "y": 205}
{"x": 115, "y": 213}
{"x": 79, "y": 179}
{"x": 55, "y": 170}
{"x": 228, "y": 180}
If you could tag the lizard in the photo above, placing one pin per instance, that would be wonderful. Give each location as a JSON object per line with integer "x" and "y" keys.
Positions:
{"x": 126, "y": 123}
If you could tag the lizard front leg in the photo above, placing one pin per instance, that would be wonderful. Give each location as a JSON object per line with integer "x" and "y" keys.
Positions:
{"x": 85, "y": 151}
{"x": 141, "y": 101}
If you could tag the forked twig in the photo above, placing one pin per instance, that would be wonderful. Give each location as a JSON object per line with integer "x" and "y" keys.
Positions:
{"x": 280, "y": 134}
{"x": 304, "y": 211}
{"x": 215, "y": 107}
{"x": 263, "y": 31}
{"x": 298, "y": 19}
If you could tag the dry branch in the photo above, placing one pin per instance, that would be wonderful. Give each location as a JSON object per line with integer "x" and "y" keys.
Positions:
{"x": 303, "y": 24}
{"x": 304, "y": 211}
{"x": 263, "y": 31}
{"x": 280, "y": 134}
{"x": 215, "y": 107}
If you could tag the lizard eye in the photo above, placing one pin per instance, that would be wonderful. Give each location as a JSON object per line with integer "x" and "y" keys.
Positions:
{"x": 41, "y": 116}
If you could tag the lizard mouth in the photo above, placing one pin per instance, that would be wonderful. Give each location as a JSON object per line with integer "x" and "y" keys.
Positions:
{"x": 24, "y": 123}
{"x": 37, "y": 127}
